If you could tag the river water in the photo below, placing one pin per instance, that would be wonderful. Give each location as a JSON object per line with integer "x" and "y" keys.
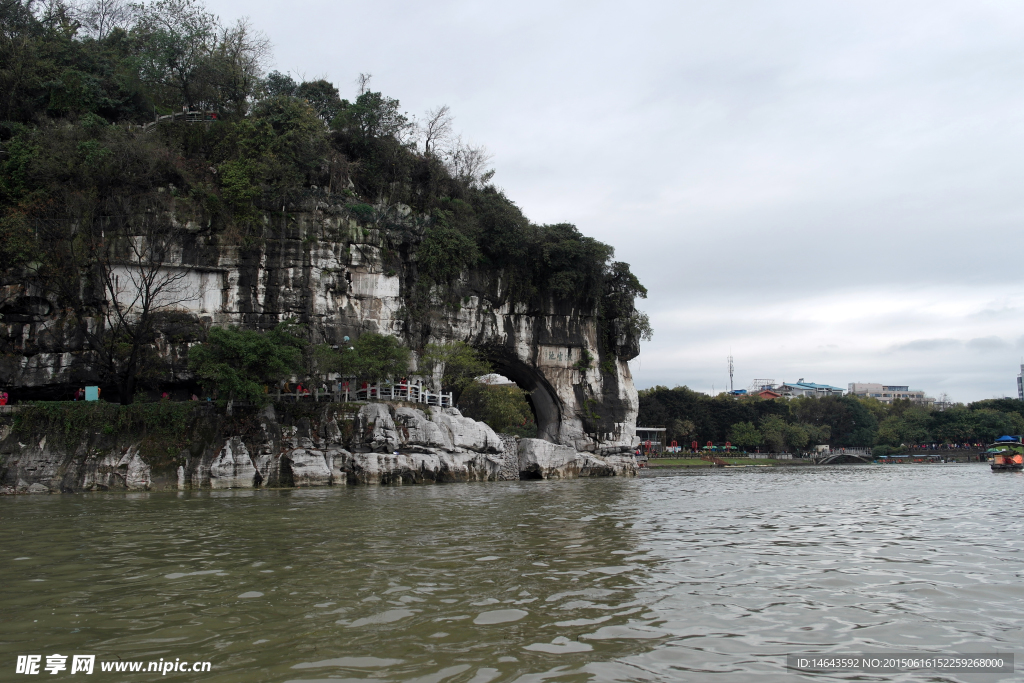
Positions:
{"x": 676, "y": 575}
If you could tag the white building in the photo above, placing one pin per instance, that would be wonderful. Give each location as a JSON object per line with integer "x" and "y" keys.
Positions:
{"x": 887, "y": 393}
{"x": 802, "y": 388}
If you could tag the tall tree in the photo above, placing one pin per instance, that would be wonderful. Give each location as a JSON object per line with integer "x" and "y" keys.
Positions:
{"x": 177, "y": 38}
{"x": 236, "y": 66}
{"x": 240, "y": 364}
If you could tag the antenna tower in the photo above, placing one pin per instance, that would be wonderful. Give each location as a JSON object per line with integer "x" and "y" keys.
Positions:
{"x": 730, "y": 374}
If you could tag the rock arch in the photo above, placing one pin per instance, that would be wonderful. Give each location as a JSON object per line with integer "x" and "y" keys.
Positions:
{"x": 547, "y": 409}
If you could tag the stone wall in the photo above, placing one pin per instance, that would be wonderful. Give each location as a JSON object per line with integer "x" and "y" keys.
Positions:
{"x": 510, "y": 457}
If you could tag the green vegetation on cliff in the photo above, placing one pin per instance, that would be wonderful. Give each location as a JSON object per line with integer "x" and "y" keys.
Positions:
{"x": 84, "y": 170}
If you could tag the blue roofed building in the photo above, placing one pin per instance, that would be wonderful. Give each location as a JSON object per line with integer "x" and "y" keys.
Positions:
{"x": 802, "y": 388}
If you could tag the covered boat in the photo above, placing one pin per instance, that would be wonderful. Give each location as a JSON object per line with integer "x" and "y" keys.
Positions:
{"x": 1007, "y": 454}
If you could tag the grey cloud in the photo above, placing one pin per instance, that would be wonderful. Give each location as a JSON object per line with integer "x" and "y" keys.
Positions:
{"x": 734, "y": 151}
{"x": 988, "y": 344}
{"x": 926, "y": 345}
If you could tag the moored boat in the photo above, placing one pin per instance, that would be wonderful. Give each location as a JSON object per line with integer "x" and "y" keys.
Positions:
{"x": 1007, "y": 454}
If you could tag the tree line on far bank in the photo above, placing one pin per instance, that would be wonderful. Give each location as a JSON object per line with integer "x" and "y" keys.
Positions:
{"x": 798, "y": 424}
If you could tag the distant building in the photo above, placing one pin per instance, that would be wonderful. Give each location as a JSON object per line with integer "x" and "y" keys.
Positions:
{"x": 887, "y": 393}
{"x": 768, "y": 394}
{"x": 802, "y": 388}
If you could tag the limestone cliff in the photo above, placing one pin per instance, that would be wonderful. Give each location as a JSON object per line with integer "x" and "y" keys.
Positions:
{"x": 342, "y": 275}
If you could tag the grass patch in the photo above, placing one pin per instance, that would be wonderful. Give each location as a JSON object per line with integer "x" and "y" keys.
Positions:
{"x": 161, "y": 429}
{"x": 697, "y": 462}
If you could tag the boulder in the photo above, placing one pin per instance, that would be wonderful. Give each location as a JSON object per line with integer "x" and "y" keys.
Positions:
{"x": 375, "y": 429}
{"x": 539, "y": 459}
{"x": 137, "y": 474}
{"x": 419, "y": 467}
{"x": 609, "y": 466}
{"x": 466, "y": 433}
{"x": 114, "y": 470}
{"x": 415, "y": 429}
{"x": 232, "y": 468}
{"x": 307, "y": 467}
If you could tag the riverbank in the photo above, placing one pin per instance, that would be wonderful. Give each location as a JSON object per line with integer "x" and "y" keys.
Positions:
{"x": 71, "y": 447}
{"x": 659, "y": 463}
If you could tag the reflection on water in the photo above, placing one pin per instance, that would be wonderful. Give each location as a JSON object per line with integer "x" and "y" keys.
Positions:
{"x": 678, "y": 576}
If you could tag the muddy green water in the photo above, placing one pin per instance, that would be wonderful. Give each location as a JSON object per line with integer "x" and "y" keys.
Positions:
{"x": 710, "y": 575}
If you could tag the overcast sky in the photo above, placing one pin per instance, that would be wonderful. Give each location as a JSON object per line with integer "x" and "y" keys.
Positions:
{"x": 826, "y": 190}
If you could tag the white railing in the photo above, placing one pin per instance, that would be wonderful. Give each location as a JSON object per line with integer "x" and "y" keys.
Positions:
{"x": 413, "y": 392}
{"x": 344, "y": 391}
{"x": 204, "y": 116}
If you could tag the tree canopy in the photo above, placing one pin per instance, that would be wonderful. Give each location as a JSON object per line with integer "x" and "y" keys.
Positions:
{"x": 782, "y": 424}
{"x": 240, "y": 364}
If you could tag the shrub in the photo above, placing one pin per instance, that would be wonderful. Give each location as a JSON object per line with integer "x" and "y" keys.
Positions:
{"x": 503, "y": 408}
{"x": 240, "y": 364}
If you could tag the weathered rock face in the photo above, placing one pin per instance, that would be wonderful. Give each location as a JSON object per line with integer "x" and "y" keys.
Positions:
{"x": 41, "y": 468}
{"x": 378, "y": 444}
{"x": 342, "y": 278}
{"x": 232, "y": 468}
{"x": 540, "y": 459}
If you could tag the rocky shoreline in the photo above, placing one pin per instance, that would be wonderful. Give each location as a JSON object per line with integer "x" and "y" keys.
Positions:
{"x": 371, "y": 444}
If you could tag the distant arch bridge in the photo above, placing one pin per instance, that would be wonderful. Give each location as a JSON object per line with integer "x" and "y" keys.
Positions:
{"x": 841, "y": 457}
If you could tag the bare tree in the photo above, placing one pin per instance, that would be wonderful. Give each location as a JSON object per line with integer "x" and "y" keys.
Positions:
{"x": 100, "y": 17}
{"x": 363, "y": 81}
{"x": 134, "y": 270}
{"x": 437, "y": 128}
{"x": 468, "y": 162}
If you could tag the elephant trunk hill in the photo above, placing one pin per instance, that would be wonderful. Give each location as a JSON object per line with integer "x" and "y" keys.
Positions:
{"x": 142, "y": 207}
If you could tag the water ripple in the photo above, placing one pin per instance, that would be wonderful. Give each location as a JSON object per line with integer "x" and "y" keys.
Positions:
{"x": 676, "y": 576}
